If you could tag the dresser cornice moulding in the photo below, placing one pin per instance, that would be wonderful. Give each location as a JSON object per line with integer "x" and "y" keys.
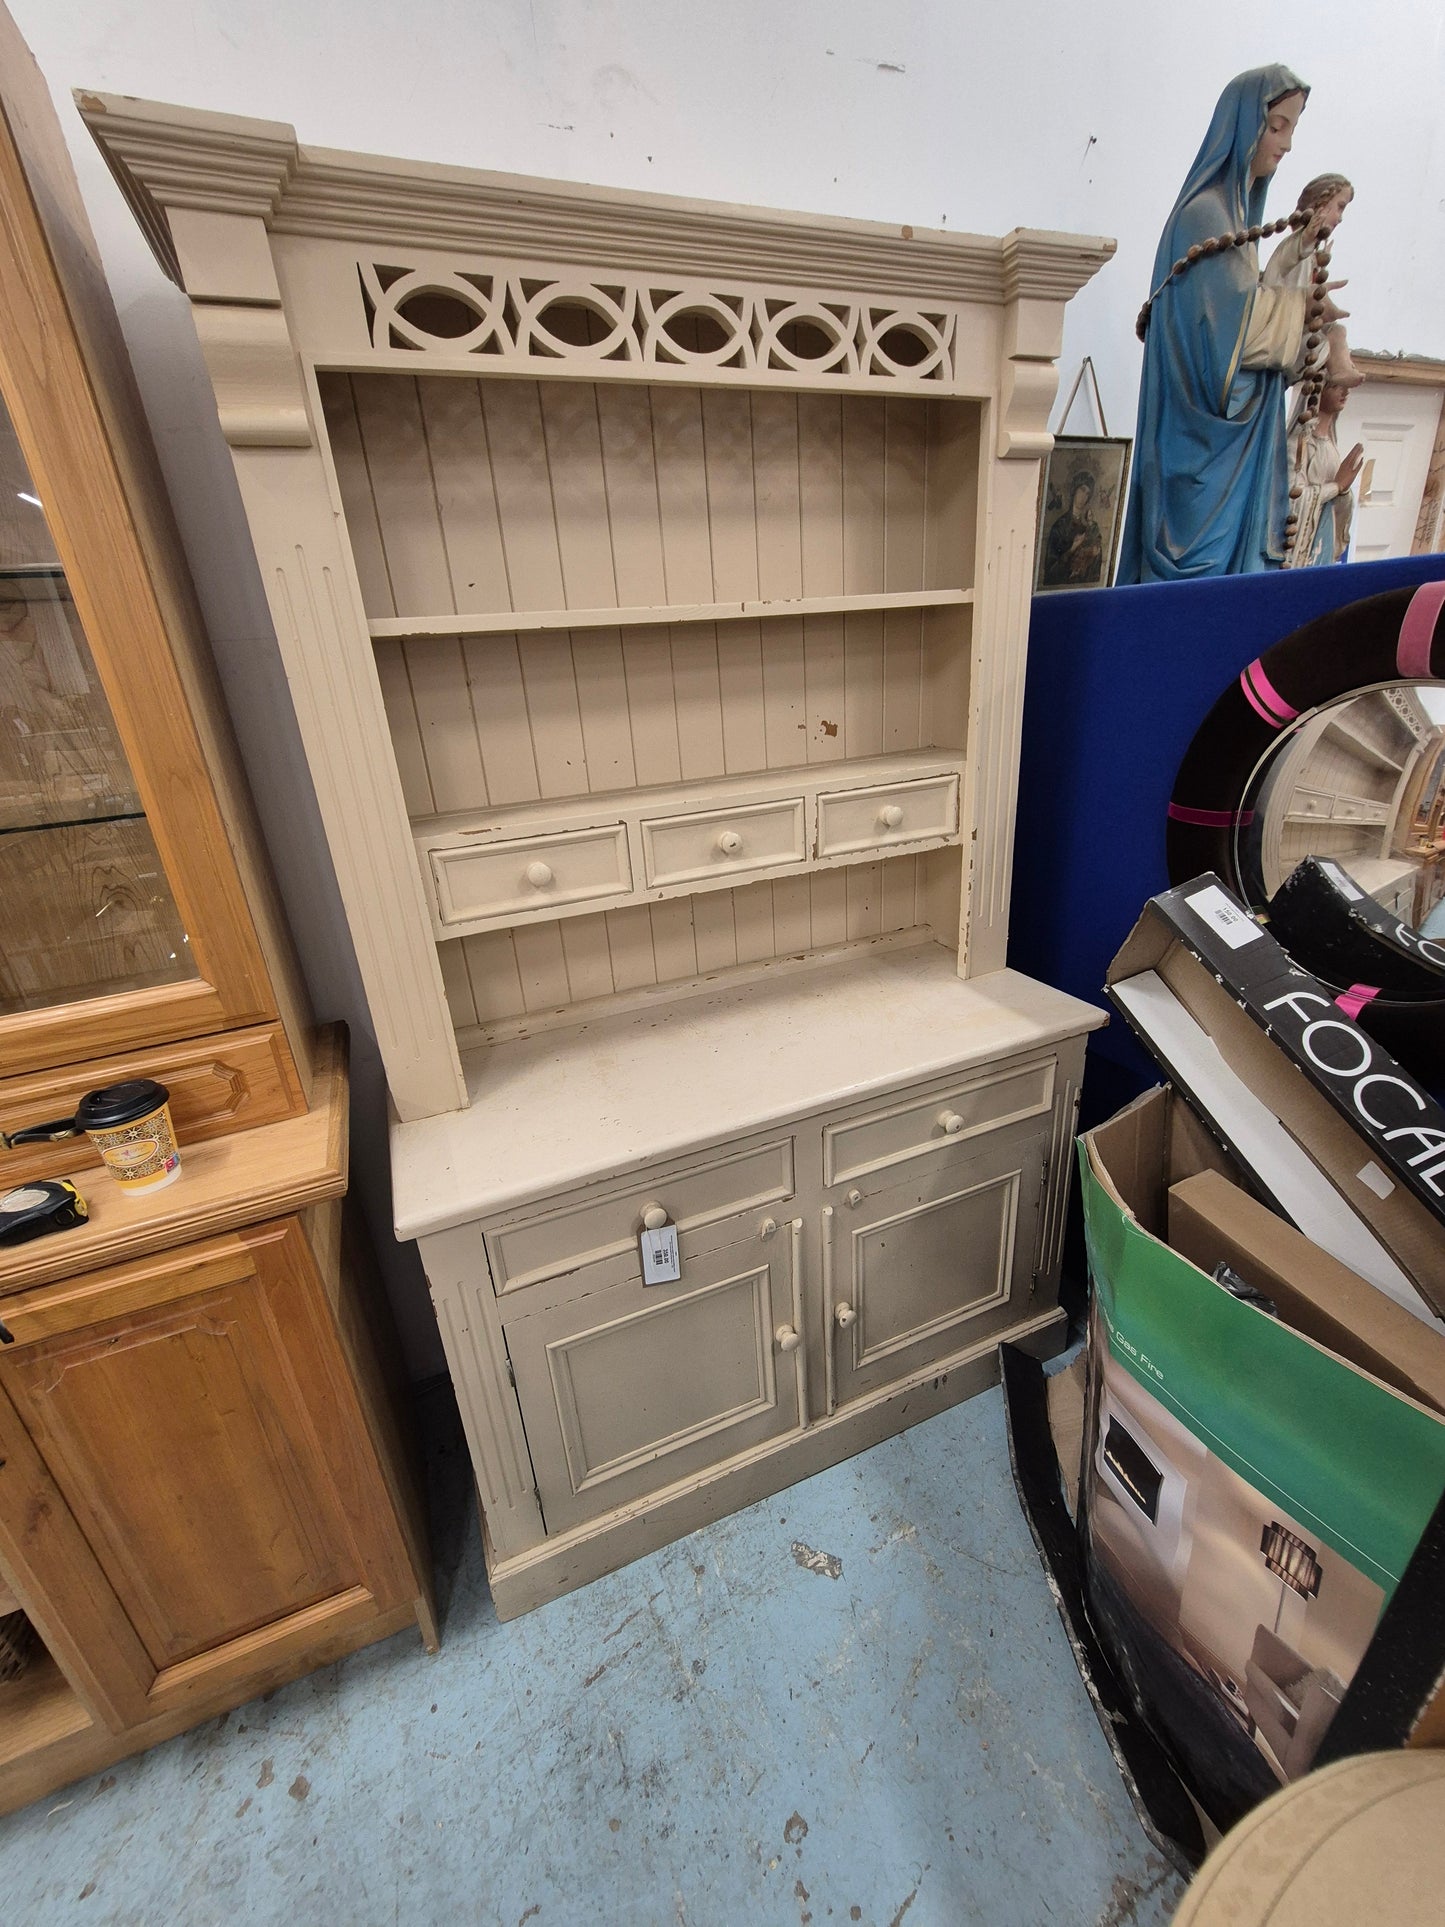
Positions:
{"x": 168, "y": 157}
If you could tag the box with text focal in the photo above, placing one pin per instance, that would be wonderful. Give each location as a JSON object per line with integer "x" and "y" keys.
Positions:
{"x": 1327, "y": 1127}
{"x": 1259, "y": 1472}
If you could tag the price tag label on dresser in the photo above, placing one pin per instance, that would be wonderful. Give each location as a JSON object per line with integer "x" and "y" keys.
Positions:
{"x": 661, "y": 1263}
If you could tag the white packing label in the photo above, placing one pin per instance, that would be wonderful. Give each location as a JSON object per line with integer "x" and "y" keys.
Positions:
{"x": 1375, "y": 1180}
{"x": 661, "y": 1264}
{"x": 1233, "y": 924}
{"x": 1342, "y": 883}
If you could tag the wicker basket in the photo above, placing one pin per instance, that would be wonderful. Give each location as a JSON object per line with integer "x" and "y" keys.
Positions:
{"x": 17, "y": 1636}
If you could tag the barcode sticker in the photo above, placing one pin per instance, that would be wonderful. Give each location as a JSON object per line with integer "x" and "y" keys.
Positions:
{"x": 1236, "y": 926}
{"x": 1342, "y": 883}
{"x": 661, "y": 1262}
{"x": 1374, "y": 1178}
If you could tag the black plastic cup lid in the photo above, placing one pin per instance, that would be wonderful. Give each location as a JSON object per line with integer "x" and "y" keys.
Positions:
{"x": 119, "y": 1104}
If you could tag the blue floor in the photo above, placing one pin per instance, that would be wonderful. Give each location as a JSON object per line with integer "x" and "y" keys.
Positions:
{"x": 852, "y": 1702}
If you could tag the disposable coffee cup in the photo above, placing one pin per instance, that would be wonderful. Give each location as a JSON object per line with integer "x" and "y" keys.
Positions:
{"x": 130, "y": 1125}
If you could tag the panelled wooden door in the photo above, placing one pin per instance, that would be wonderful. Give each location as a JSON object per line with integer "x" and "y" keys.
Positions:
{"x": 627, "y": 1388}
{"x": 186, "y": 1422}
{"x": 921, "y": 1268}
{"x": 1397, "y": 423}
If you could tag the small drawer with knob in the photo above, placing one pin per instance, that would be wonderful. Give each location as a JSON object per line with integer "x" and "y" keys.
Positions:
{"x": 923, "y": 811}
{"x": 476, "y": 884}
{"x": 722, "y": 845}
{"x": 712, "y": 1202}
{"x": 950, "y": 1114}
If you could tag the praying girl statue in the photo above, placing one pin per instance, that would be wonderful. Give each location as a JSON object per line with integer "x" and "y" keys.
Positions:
{"x": 1209, "y": 493}
{"x": 1321, "y": 505}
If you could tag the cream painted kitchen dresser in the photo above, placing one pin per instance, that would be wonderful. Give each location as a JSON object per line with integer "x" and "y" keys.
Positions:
{"x": 652, "y": 580}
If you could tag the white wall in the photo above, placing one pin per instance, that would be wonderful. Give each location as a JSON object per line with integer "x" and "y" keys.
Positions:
{"x": 951, "y": 113}
{"x": 985, "y": 117}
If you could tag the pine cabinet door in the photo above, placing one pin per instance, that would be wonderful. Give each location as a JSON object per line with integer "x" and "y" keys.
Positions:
{"x": 627, "y": 1388}
{"x": 918, "y": 1271}
{"x": 183, "y": 1488}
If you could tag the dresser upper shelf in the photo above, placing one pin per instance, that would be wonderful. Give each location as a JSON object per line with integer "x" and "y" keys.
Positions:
{"x": 605, "y": 494}
{"x": 519, "y": 621}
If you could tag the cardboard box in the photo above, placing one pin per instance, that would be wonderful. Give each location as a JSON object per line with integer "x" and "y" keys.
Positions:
{"x": 1212, "y": 1221}
{"x": 1253, "y": 1582}
{"x": 1320, "y": 1121}
{"x": 1251, "y": 1500}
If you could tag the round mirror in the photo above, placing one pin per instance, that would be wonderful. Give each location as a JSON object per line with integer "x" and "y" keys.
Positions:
{"x": 1314, "y": 789}
{"x": 1361, "y": 783}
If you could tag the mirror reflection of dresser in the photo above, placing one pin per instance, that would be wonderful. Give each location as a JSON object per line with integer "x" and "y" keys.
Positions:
{"x": 1361, "y": 781}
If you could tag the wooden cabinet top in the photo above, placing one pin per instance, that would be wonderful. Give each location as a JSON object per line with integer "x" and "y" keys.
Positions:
{"x": 228, "y": 1181}
{"x": 569, "y": 1108}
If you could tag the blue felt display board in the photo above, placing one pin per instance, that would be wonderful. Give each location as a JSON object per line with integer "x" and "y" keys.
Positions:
{"x": 1118, "y": 682}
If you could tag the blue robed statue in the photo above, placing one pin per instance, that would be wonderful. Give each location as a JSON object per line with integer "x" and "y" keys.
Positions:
{"x": 1210, "y": 488}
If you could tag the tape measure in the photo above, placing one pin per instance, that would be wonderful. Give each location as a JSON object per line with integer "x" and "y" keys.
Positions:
{"x": 35, "y": 1210}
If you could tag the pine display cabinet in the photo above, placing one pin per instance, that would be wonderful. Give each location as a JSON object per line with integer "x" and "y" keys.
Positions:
{"x": 204, "y": 1487}
{"x": 652, "y": 580}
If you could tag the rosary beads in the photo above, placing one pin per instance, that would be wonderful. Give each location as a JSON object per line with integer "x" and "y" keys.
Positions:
{"x": 1219, "y": 244}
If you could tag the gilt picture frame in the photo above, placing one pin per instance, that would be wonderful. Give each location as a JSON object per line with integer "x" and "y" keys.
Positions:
{"x": 1082, "y": 493}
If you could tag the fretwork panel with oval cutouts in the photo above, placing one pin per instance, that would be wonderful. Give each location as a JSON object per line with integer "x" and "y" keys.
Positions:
{"x": 495, "y": 980}
{"x": 509, "y": 316}
{"x": 498, "y": 495}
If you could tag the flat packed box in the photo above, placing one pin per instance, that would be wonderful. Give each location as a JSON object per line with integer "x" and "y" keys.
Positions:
{"x": 1325, "y": 1126}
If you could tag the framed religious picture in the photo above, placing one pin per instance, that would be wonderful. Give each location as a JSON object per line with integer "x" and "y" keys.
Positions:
{"x": 1081, "y": 512}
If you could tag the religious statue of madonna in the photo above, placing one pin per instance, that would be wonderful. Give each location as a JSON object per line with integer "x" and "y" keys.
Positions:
{"x": 1209, "y": 493}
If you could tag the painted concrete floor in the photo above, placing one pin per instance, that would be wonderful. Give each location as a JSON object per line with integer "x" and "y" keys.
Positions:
{"x": 851, "y": 1703}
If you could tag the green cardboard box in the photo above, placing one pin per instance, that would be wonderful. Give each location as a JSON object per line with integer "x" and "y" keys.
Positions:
{"x": 1251, "y": 1498}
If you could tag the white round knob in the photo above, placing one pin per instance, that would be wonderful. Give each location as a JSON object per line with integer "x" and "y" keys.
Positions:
{"x": 854, "y": 1198}
{"x": 844, "y": 1316}
{"x": 654, "y": 1218}
{"x": 768, "y": 1228}
{"x": 730, "y": 843}
{"x": 788, "y": 1339}
{"x": 951, "y": 1122}
{"x": 890, "y": 816}
{"x": 539, "y": 875}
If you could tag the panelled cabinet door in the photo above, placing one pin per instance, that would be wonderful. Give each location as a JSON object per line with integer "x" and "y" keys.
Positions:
{"x": 182, "y": 1485}
{"x": 919, "y": 1270}
{"x": 626, "y": 1388}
